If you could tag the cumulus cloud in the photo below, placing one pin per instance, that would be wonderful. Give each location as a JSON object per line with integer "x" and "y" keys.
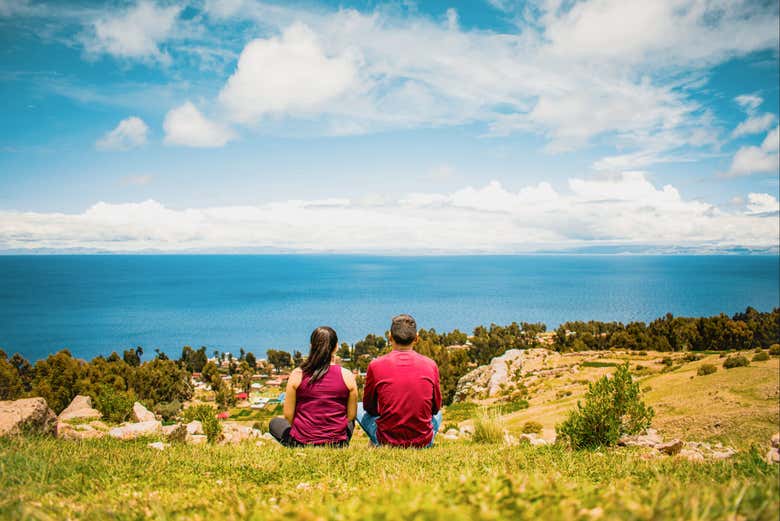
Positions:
{"x": 561, "y": 75}
{"x": 186, "y": 126}
{"x": 624, "y": 210}
{"x": 129, "y": 133}
{"x": 133, "y": 33}
{"x": 287, "y": 74}
{"x": 757, "y": 159}
{"x": 756, "y": 123}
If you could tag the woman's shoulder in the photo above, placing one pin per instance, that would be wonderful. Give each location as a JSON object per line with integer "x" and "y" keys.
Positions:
{"x": 348, "y": 376}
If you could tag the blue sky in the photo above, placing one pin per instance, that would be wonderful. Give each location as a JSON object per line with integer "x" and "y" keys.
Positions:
{"x": 474, "y": 126}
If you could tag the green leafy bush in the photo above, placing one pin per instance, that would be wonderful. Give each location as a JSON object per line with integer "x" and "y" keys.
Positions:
{"x": 207, "y": 416}
{"x": 760, "y": 357}
{"x": 692, "y": 357}
{"x": 613, "y": 407}
{"x": 115, "y": 405}
{"x": 774, "y": 350}
{"x": 735, "y": 361}
{"x": 532, "y": 427}
{"x": 706, "y": 369}
{"x": 488, "y": 429}
{"x": 168, "y": 410}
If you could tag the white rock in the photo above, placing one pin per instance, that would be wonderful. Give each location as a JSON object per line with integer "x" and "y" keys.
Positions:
{"x": 80, "y": 407}
{"x": 691, "y": 455}
{"x": 773, "y": 456}
{"x": 28, "y": 415}
{"x": 195, "y": 427}
{"x": 168, "y": 429}
{"x": 142, "y": 414}
{"x": 136, "y": 430}
{"x": 776, "y": 440}
{"x": 158, "y": 445}
{"x": 196, "y": 439}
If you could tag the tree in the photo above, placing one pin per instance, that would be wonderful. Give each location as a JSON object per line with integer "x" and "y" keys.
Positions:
{"x": 193, "y": 360}
{"x": 24, "y": 369}
{"x": 211, "y": 375}
{"x": 132, "y": 357}
{"x": 56, "y": 379}
{"x": 251, "y": 360}
{"x": 243, "y": 377}
{"x": 297, "y": 358}
{"x": 279, "y": 359}
{"x": 344, "y": 351}
{"x": 11, "y": 386}
{"x": 161, "y": 380}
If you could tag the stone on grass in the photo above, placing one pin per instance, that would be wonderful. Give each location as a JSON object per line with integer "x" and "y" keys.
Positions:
{"x": 196, "y": 439}
{"x": 132, "y": 431}
{"x": 195, "y": 427}
{"x": 650, "y": 438}
{"x": 773, "y": 456}
{"x": 80, "y": 408}
{"x": 82, "y": 431}
{"x": 157, "y": 445}
{"x": 26, "y": 416}
{"x": 168, "y": 429}
{"x": 670, "y": 447}
{"x": 691, "y": 455}
{"x": 776, "y": 440}
{"x": 142, "y": 414}
{"x": 99, "y": 425}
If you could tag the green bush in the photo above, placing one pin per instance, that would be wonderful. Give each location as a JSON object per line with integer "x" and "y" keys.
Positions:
{"x": 532, "y": 427}
{"x": 613, "y": 407}
{"x": 488, "y": 429}
{"x": 774, "y": 350}
{"x": 706, "y": 369}
{"x": 115, "y": 405}
{"x": 760, "y": 357}
{"x": 692, "y": 357}
{"x": 168, "y": 410}
{"x": 206, "y": 415}
{"x": 735, "y": 361}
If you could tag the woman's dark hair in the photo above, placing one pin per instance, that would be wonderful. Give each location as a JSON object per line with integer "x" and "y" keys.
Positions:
{"x": 323, "y": 343}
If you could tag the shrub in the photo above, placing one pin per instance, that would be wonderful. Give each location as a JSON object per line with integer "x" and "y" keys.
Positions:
{"x": 115, "y": 405}
{"x": 178, "y": 435}
{"x": 642, "y": 353}
{"x": 706, "y": 369}
{"x": 735, "y": 361}
{"x": 667, "y": 361}
{"x": 760, "y": 357}
{"x": 613, "y": 407}
{"x": 532, "y": 428}
{"x": 206, "y": 415}
{"x": 168, "y": 410}
{"x": 488, "y": 429}
{"x": 774, "y": 350}
{"x": 692, "y": 357}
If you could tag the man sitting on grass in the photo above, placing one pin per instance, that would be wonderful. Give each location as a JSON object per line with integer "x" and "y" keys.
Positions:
{"x": 402, "y": 399}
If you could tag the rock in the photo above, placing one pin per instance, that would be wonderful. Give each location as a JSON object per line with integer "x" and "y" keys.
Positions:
{"x": 196, "y": 439}
{"x": 168, "y": 429}
{"x": 504, "y": 372}
{"x": 451, "y": 434}
{"x": 142, "y": 414}
{"x": 650, "y": 438}
{"x": 157, "y": 445}
{"x": 233, "y": 433}
{"x": 776, "y": 440}
{"x": 136, "y": 430}
{"x": 467, "y": 430}
{"x": 691, "y": 455}
{"x": 80, "y": 408}
{"x": 99, "y": 425}
{"x": 195, "y": 427}
{"x": 773, "y": 456}
{"x": 82, "y": 431}
{"x": 533, "y": 439}
{"x": 510, "y": 439}
{"x": 268, "y": 436}
{"x": 723, "y": 454}
{"x": 26, "y": 416}
{"x": 670, "y": 447}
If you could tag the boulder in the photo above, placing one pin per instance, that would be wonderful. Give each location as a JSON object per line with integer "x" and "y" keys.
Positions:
{"x": 195, "y": 427}
{"x": 26, "y": 416}
{"x": 451, "y": 434}
{"x": 691, "y": 455}
{"x": 167, "y": 430}
{"x": 670, "y": 447}
{"x": 650, "y": 438}
{"x": 504, "y": 372}
{"x": 82, "y": 431}
{"x": 80, "y": 408}
{"x": 158, "y": 445}
{"x": 533, "y": 439}
{"x": 99, "y": 425}
{"x": 142, "y": 414}
{"x": 131, "y": 431}
{"x": 776, "y": 440}
{"x": 773, "y": 456}
{"x": 233, "y": 433}
{"x": 197, "y": 439}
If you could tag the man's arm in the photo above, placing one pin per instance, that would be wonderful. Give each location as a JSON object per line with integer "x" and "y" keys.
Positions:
{"x": 436, "y": 402}
{"x": 369, "y": 393}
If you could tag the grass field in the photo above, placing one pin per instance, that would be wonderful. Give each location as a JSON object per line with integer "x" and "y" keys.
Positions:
{"x": 42, "y": 478}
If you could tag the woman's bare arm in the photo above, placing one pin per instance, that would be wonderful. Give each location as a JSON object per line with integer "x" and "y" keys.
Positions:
{"x": 349, "y": 381}
{"x": 289, "y": 397}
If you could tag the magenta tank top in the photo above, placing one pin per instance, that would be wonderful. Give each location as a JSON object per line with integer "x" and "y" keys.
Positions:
{"x": 321, "y": 409}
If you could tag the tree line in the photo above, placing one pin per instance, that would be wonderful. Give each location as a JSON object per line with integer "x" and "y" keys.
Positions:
{"x": 115, "y": 382}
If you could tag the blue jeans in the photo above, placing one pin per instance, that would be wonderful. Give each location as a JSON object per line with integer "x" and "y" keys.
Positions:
{"x": 368, "y": 424}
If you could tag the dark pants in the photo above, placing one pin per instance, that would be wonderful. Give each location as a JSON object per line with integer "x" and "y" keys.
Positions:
{"x": 280, "y": 430}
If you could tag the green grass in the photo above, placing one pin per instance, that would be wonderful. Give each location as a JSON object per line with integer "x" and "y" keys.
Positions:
{"x": 101, "y": 479}
{"x": 599, "y": 364}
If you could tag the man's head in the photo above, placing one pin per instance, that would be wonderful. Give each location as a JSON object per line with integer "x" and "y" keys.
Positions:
{"x": 403, "y": 331}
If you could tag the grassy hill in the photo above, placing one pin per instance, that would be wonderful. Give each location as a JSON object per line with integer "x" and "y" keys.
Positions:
{"x": 456, "y": 480}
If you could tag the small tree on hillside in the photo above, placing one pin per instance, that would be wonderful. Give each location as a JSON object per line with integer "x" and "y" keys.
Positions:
{"x": 613, "y": 408}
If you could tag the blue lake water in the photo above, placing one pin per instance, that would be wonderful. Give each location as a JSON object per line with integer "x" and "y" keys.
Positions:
{"x": 96, "y": 304}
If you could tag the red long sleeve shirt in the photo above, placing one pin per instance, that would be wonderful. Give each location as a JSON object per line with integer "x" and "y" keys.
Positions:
{"x": 402, "y": 388}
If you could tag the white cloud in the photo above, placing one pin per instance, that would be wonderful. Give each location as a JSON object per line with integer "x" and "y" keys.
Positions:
{"x": 137, "y": 180}
{"x": 624, "y": 210}
{"x": 186, "y": 126}
{"x": 129, "y": 133}
{"x": 754, "y": 125}
{"x": 134, "y": 33}
{"x": 762, "y": 204}
{"x": 287, "y": 74}
{"x": 758, "y": 159}
{"x": 749, "y": 102}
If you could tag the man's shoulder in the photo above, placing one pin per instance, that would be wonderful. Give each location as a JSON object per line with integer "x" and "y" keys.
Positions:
{"x": 424, "y": 360}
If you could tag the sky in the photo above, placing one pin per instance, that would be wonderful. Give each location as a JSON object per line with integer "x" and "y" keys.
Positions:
{"x": 478, "y": 126}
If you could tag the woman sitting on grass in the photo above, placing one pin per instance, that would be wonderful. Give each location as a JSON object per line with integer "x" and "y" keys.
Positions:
{"x": 320, "y": 401}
